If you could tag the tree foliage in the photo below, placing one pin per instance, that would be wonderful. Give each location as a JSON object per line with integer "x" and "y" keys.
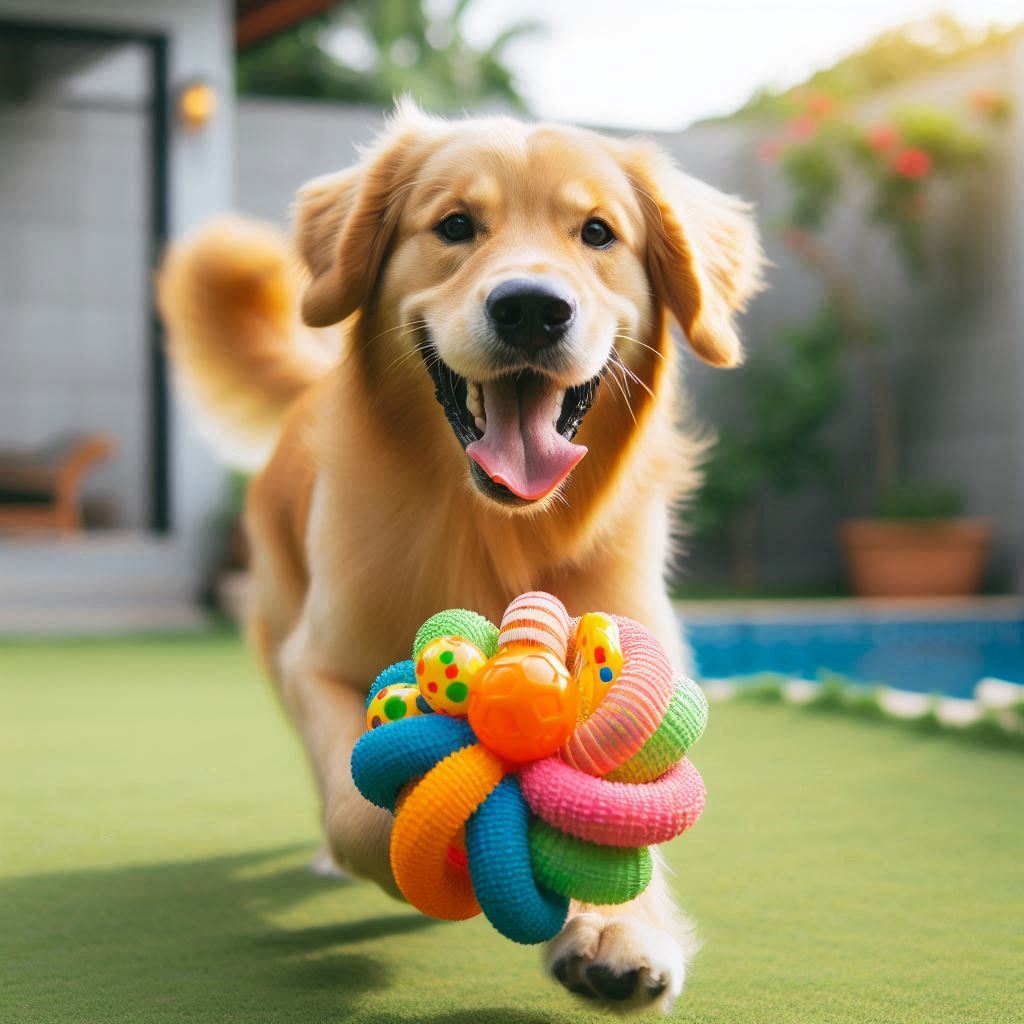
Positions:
{"x": 787, "y": 396}
{"x": 369, "y": 51}
{"x": 898, "y": 159}
{"x": 825, "y": 153}
{"x": 892, "y": 58}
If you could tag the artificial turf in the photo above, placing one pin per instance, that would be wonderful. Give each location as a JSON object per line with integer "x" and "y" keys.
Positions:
{"x": 156, "y": 818}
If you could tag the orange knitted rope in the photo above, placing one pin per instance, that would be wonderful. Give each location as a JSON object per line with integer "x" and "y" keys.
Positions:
{"x": 432, "y": 815}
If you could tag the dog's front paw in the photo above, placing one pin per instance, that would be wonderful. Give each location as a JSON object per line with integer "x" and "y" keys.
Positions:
{"x": 324, "y": 865}
{"x": 622, "y": 963}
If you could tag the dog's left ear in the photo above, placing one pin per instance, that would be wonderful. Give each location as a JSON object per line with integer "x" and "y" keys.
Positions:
{"x": 703, "y": 253}
{"x": 344, "y": 222}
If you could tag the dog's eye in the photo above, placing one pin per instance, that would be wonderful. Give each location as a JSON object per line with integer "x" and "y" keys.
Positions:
{"x": 456, "y": 228}
{"x": 597, "y": 234}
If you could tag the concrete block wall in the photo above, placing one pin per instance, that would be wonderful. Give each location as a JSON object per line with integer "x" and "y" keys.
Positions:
{"x": 199, "y": 34}
{"x": 74, "y": 310}
{"x": 281, "y": 145}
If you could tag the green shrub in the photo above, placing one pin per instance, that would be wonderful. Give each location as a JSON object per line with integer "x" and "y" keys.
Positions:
{"x": 920, "y": 501}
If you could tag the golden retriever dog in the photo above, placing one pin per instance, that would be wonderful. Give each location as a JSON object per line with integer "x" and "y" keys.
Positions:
{"x": 499, "y": 413}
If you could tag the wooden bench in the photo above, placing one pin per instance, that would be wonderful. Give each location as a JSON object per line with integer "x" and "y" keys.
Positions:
{"x": 41, "y": 489}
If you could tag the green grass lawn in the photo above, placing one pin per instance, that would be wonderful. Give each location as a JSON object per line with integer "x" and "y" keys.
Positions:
{"x": 156, "y": 819}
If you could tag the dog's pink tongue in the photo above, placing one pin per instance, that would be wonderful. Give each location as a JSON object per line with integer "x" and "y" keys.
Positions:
{"x": 521, "y": 448}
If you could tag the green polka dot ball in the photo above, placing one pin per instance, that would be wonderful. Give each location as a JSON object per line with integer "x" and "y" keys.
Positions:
{"x": 393, "y": 703}
{"x": 480, "y": 632}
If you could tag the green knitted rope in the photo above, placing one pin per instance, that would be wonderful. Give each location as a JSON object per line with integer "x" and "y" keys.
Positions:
{"x": 586, "y": 871}
{"x": 458, "y": 622}
{"x": 684, "y": 721}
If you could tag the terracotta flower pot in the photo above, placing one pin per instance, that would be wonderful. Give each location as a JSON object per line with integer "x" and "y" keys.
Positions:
{"x": 915, "y": 558}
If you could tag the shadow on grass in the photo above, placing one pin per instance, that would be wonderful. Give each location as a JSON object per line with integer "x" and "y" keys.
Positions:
{"x": 501, "y": 1015}
{"x": 184, "y": 941}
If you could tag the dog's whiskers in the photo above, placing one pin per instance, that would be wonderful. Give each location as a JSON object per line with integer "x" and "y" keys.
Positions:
{"x": 627, "y": 370}
{"x": 403, "y": 358}
{"x": 559, "y": 496}
{"x": 614, "y": 364}
{"x": 642, "y": 344}
{"x": 400, "y": 327}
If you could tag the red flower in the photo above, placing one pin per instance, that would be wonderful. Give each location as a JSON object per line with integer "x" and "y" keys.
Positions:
{"x": 989, "y": 103}
{"x": 882, "y": 137}
{"x": 984, "y": 101}
{"x": 912, "y": 163}
{"x": 802, "y": 128}
{"x": 769, "y": 150}
{"x": 821, "y": 105}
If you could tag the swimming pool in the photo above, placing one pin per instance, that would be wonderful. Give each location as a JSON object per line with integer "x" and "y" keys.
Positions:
{"x": 911, "y": 652}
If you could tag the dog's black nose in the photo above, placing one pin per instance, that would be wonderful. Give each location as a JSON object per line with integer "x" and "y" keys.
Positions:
{"x": 530, "y": 314}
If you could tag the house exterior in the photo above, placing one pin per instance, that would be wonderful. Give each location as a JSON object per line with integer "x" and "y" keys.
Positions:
{"x": 98, "y": 170}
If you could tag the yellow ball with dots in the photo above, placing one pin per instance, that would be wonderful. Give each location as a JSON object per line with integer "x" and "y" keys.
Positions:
{"x": 444, "y": 671}
{"x": 598, "y": 659}
{"x": 393, "y": 703}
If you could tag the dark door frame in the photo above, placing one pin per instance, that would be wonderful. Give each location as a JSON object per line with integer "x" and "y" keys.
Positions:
{"x": 159, "y": 216}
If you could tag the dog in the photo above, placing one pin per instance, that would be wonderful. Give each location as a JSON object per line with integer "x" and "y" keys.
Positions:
{"x": 499, "y": 412}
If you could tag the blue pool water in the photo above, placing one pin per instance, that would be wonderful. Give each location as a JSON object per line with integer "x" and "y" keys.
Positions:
{"x": 927, "y": 656}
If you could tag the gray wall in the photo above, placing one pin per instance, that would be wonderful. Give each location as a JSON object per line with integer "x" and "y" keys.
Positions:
{"x": 957, "y": 353}
{"x": 200, "y": 36}
{"x": 280, "y": 145}
{"x": 74, "y": 324}
{"x": 956, "y": 337}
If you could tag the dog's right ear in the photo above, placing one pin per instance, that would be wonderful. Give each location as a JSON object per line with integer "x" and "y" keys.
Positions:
{"x": 703, "y": 253}
{"x": 344, "y": 222}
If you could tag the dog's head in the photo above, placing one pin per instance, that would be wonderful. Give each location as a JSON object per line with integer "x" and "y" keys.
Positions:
{"x": 520, "y": 261}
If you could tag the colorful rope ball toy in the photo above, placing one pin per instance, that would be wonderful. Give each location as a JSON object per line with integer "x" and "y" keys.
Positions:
{"x": 530, "y": 764}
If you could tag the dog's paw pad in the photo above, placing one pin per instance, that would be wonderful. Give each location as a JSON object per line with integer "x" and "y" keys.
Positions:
{"x": 611, "y": 984}
{"x": 622, "y": 963}
{"x": 561, "y": 971}
{"x": 655, "y": 989}
{"x": 579, "y": 989}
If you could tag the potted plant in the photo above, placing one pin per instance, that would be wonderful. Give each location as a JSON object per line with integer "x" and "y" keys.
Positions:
{"x": 918, "y": 542}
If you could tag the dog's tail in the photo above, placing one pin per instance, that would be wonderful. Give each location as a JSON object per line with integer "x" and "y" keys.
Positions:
{"x": 229, "y": 298}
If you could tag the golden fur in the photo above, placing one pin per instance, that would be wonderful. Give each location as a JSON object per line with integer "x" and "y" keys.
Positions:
{"x": 364, "y": 520}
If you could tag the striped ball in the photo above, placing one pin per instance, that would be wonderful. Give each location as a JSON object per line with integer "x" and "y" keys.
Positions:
{"x": 537, "y": 620}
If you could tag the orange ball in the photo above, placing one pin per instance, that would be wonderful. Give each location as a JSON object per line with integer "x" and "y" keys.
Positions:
{"x": 523, "y": 704}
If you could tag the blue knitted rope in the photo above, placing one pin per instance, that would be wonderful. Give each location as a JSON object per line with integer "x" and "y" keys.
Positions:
{"x": 402, "y": 672}
{"x": 498, "y": 850}
{"x": 385, "y": 759}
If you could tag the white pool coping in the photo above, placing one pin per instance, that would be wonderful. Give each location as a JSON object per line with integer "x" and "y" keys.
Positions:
{"x": 998, "y": 697}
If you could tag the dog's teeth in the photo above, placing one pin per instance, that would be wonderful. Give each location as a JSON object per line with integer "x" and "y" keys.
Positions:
{"x": 481, "y": 424}
{"x": 475, "y": 400}
{"x": 559, "y": 400}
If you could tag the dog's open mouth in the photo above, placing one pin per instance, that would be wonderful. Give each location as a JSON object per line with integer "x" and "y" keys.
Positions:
{"x": 517, "y": 430}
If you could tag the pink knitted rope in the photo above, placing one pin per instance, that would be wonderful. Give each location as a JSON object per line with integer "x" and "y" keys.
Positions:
{"x": 614, "y": 813}
{"x": 632, "y": 709}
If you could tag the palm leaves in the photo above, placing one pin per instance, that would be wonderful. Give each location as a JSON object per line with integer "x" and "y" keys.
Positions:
{"x": 369, "y": 51}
